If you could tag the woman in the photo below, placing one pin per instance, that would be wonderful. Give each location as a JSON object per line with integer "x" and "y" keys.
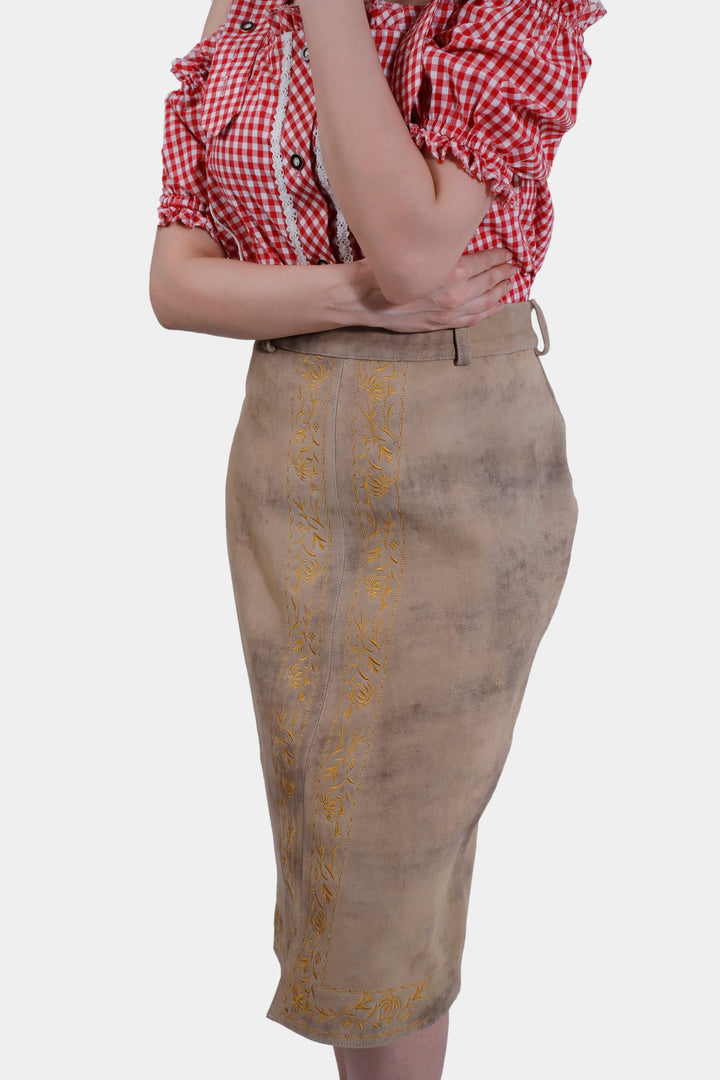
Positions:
{"x": 345, "y": 181}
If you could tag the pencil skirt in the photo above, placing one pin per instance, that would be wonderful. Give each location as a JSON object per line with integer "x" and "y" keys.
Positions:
{"x": 400, "y": 517}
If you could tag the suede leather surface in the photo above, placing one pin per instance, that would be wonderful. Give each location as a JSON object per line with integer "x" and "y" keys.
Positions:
{"x": 400, "y": 518}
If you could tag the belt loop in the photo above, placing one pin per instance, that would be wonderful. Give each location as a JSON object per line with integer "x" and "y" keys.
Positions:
{"x": 543, "y": 329}
{"x": 461, "y": 342}
{"x": 267, "y": 346}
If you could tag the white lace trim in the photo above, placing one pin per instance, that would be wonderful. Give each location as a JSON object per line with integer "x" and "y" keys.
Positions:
{"x": 287, "y": 203}
{"x": 342, "y": 232}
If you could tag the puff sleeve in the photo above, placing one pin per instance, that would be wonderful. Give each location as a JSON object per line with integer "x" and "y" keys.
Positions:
{"x": 184, "y": 182}
{"x": 496, "y": 84}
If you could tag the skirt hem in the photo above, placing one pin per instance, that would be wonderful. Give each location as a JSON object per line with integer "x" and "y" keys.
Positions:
{"x": 357, "y": 1041}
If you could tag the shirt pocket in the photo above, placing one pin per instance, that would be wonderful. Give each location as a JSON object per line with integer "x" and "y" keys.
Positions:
{"x": 228, "y": 82}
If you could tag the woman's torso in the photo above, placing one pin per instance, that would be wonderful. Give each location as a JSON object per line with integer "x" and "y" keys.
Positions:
{"x": 267, "y": 190}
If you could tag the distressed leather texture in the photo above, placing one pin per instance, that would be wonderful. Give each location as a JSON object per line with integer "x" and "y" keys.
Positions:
{"x": 400, "y": 519}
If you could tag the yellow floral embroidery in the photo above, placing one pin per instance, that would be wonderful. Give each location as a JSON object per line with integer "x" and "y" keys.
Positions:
{"x": 364, "y": 1012}
{"x": 308, "y": 566}
{"x": 377, "y": 437}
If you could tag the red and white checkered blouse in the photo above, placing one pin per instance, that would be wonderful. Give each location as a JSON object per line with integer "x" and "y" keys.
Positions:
{"x": 495, "y": 82}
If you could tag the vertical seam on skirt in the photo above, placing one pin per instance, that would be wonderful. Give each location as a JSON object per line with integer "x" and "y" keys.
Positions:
{"x": 311, "y": 739}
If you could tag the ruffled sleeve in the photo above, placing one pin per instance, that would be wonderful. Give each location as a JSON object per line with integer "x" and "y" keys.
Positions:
{"x": 184, "y": 181}
{"x": 494, "y": 82}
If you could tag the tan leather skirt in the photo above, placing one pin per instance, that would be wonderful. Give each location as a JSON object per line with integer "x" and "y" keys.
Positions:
{"x": 400, "y": 517}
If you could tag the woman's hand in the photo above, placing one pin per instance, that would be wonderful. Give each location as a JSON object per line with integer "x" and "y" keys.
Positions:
{"x": 470, "y": 293}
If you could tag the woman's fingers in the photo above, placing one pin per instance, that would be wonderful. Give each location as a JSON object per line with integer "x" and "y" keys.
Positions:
{"x": 478, "y": 262}
{"x": 487, "y": 303}
{"x": 487, "y": 281}
{"x": 461, "y": 292}
{"x": 472, "y": 266}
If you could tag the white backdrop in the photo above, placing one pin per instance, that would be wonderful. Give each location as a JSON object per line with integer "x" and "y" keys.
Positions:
{"x": 138, "y": 882}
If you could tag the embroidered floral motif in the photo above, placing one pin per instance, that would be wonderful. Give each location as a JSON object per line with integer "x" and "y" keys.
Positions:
{"x": 377, "y": 437}
{"x": 364, "y": 1011}
{"x": 308, "y": 566}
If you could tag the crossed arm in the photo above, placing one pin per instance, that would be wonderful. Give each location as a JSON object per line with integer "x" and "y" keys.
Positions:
{"x": 412, "y": 216}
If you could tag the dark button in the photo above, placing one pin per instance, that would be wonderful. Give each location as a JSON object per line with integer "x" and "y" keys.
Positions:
{"x": 323, "y": 262}
{"x": 296, "y": 161}
{"x": 247, "y": 25}
{"x": 305, "y": 54}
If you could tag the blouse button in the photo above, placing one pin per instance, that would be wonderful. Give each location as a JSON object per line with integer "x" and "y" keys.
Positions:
{"x": 296, "y": 161}
{"x": 305, "y": 54}
{"x": 323, "y": 262}
{"x": 247, "y": 25}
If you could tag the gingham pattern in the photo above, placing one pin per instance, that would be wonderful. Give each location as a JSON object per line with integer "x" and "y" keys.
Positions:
{"x": 494, "y": 82}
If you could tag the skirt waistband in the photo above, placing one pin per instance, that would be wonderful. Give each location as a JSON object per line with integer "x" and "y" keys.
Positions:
{"x": 510, "y": 330}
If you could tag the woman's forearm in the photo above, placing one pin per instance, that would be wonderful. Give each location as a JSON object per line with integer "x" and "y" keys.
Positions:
{"x": 379, "y": 177}
{"x": 194, "y": 287}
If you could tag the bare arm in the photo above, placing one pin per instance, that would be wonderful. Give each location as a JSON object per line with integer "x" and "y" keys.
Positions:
{"x": 411, "y": 215}
{"x": 194, "y": 287}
